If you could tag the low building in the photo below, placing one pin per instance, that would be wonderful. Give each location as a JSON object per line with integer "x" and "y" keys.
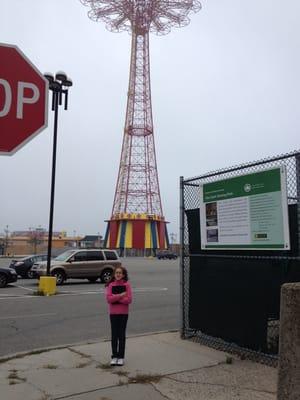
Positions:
{"x": 90, "y": 241}
{"x": 36, "y": 242}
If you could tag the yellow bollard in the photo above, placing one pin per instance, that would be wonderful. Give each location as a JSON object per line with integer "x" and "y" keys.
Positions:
{"x": 47, "y": 285}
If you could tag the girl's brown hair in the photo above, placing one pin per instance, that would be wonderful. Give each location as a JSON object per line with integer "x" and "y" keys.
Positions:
{"x": 125, "y": 275}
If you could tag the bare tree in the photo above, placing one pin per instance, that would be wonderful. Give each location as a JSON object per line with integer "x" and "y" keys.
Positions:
{"x": 6, "y": 242}
{"x": 36, "y": 237}
{"x": 2, "y": 246}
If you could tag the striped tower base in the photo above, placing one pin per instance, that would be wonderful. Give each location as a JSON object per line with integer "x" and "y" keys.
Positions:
{"x": 136, "y": 231}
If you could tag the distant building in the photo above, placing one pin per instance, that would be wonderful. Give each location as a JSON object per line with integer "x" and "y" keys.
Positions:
{"x": 40, "y": 231}
{"x": 36, "y": 241}
{"x": 90, "y": 241}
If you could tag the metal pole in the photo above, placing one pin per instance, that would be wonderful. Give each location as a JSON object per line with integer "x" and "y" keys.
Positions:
{"x": 298, "y": 197}
{"x": 181, "y": 264}
{"x": 55, "y": 98}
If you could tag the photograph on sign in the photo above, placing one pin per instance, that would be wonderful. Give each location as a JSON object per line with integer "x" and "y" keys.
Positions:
{"x": 245, "y": 212}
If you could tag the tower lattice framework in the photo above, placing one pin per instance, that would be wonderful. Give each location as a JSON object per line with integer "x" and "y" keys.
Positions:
{"x": 137, "y": 189}
{"x": 137, "y": 219}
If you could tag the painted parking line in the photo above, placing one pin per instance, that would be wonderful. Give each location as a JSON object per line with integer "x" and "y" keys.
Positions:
{"x": 137, "y": 290}
{"x": 27, "y": 316}
{"x": 150, "y": 289}
{"x": 82, "y": 293}
{"x": 24, "y": 287}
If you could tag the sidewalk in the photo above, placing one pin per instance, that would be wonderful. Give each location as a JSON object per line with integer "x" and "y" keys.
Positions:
{"x": 158, "y": 367}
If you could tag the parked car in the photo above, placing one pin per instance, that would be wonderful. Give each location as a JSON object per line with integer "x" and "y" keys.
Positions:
{"x": 22, "y": 266}
{"x": 7, "y": 275}
{"x": 166, "y": 254}
{"x": 90, "y": 264}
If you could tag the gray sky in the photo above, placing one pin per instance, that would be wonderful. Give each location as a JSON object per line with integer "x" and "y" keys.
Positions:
{"x": 225, "y": 90}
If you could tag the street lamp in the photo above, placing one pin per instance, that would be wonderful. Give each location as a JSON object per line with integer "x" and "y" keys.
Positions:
{"x": 59, "y": 86}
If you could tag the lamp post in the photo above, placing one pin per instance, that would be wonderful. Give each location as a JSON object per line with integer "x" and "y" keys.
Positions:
{"x": 59, "y": 86}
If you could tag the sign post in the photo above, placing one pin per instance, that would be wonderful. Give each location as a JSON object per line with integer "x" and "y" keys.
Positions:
{"x": 23, "y": 100}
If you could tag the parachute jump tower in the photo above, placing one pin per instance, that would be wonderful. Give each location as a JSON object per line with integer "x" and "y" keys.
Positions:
{"x": 137, "y": 220}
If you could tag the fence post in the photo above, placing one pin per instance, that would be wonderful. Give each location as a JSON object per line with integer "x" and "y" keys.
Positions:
{"x": 289, "y": 345}
{"x": 181, "y": 234}
{"x": 298, "y": 196}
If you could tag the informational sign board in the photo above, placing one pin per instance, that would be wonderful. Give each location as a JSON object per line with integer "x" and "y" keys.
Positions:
{"x": 245, "y": 212}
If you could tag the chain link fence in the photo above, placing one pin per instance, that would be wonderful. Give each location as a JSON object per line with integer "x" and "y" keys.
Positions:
{"x": 190, "y": 201}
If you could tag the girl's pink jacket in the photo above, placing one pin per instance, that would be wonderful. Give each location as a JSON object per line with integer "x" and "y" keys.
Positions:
{"x": 118, "y": 304}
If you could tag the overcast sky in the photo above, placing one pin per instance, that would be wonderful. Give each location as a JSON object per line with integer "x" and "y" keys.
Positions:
{"x": 225, "y": 90}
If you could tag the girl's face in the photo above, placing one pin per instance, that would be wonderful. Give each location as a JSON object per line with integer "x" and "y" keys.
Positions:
{"x": 119, "y": 274}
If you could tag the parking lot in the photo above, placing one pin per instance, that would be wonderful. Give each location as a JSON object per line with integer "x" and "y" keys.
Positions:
{"x": 28, "y": 288}
{"x": 79, "y": 311}
{"x": 140, "y": 270}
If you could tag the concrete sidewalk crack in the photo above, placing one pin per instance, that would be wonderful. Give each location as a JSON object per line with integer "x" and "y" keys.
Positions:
{"x": 101, "y": 389}
{"x": 46, "y": 396}
{"x": 196, "y": 369}
{"x": 79, "y": 353}
{"x": 67, "y": 396}
{"x": 158, "y": 391}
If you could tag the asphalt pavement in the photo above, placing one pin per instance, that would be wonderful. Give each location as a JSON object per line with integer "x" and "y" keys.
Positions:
{"x": 79, "y": 311}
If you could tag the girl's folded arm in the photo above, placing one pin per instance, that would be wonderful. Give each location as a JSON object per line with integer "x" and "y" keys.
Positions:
{"x": 128, "y": 298}
{"x": 111, "y": 298}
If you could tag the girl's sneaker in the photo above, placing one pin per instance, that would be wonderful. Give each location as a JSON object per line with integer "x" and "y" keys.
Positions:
{"x": 120, "y": 361}
{"x": 114, "y": 361}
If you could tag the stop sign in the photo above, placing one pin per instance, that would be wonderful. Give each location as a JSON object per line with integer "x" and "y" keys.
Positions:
{"x": 23, "y": 99}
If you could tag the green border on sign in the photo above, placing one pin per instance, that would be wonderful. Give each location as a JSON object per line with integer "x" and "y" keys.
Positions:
{"x": 246, "y": 246}
{"x": 256, "y": 213}
{"x": 245, "y": 185}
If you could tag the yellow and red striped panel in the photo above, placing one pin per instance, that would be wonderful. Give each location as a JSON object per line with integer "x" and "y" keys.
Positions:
{"x": 136, "y": 234}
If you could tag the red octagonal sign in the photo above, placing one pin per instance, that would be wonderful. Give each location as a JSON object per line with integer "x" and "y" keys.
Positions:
{"x": 23, "y": 100}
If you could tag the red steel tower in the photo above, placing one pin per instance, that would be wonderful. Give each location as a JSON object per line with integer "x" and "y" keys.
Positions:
{"x": 137, "y": 219}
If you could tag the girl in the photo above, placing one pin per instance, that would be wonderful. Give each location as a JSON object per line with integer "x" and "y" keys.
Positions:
{"x": 118, "y": 296}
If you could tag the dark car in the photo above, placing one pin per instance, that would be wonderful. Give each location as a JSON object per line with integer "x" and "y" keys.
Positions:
{"x": 22, "y": 266}
{"x": 166, "y": 254}
{"x": 7, "y": 275}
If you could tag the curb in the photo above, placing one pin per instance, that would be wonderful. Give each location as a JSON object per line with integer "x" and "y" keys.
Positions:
{"x": 39, "y": 350}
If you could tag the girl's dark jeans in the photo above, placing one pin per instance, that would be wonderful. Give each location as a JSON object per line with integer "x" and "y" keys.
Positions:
{"x": 118, "y": 334}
